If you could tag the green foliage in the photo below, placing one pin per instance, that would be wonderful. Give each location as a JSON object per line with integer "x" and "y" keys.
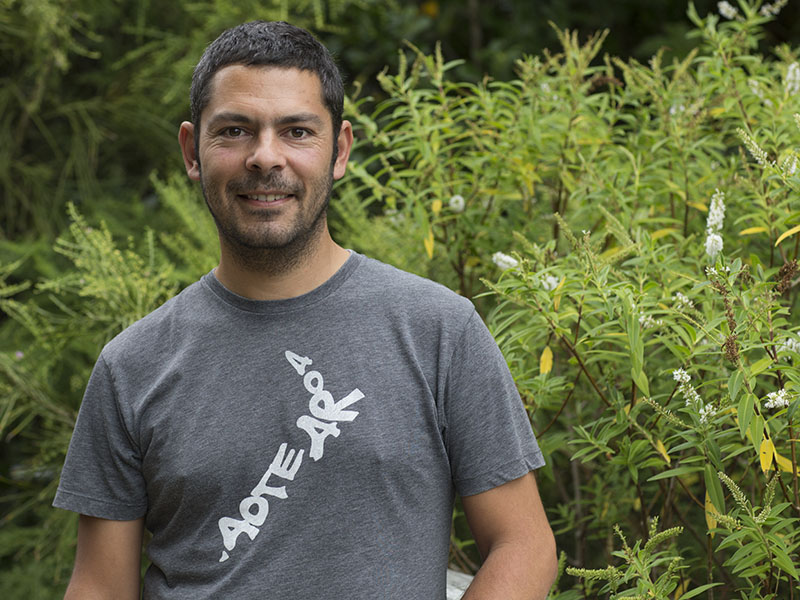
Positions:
{"x": 91, "y": 94}
{"x": 641, "y": 561}
{"x": 451, "y": 160}
{"x": 591, "y": 195}
{"x": 642, "y": 220}
{"x": 57, "y": 329}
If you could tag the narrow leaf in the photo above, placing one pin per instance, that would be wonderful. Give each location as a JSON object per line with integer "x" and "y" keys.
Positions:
{"x": 784, "y": 464}
{"x": 699, "y": 206}
{"x": 734, "y": 383}
{"x": 428, "y": 243}
{"x": 640, "y": 379}
{"x": 714, "y": 488}
{"x": 766, "y": 454}
{"x": 675, "y": 473}
{"x": 662, "y": 233}
{"x": 711, "y": 521}
{"x": 663, "y": 451}
{"x": 546, "y": 361}
{"x": 786, "y": 234}
{"x": 698, "y": 591}
{"x": 744, "y": 412}
{"x": 557, "y": 297}
{"x": 752, "y": 230}
{"x": 760, "y": 366}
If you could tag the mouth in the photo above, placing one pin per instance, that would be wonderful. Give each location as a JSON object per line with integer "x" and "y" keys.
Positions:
{"x": 266, "y": 198}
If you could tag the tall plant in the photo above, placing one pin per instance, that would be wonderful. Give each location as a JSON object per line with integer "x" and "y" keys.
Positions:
{"x": 636, "y": 226}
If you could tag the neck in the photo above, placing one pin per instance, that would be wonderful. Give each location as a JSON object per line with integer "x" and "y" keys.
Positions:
{"x": 277, "y": 274}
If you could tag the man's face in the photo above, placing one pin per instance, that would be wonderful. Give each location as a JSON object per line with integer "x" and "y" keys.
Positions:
{"x": 265, "y": 147}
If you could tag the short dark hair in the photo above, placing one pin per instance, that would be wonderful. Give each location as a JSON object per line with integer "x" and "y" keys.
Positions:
{"x": 269, "y": 43}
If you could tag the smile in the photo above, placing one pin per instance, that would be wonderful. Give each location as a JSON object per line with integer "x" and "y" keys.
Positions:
{"x": 266, "y": 197}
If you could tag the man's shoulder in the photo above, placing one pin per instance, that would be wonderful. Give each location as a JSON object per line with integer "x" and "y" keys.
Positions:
{"x": 154, "y": 330}
{"x": 404, "y": 288}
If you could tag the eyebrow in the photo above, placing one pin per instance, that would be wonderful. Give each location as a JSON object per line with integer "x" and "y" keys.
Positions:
{"x": 227, "y": 117}
{"x": 309, "y": 118}
{"x": 233, "y": 117}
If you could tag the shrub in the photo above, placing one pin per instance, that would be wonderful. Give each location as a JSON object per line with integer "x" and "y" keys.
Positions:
{"x": 635, "y": 226}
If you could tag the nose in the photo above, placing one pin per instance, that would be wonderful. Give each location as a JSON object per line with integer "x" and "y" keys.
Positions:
{"x": 266, "y": 153}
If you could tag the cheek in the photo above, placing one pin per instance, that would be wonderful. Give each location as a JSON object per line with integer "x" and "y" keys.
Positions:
{"x": 220, "y": 159}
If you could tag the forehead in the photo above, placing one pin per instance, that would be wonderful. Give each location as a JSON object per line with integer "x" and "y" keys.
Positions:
{"x": 265, "y": 89}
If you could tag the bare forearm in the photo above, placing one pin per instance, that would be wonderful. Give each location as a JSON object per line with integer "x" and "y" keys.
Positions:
{"x": 509, "y": 573}
{"x": 107, "y": 560}
{"x": 83, "y": 589}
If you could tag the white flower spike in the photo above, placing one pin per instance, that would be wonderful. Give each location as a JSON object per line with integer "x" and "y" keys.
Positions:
{"x": 727, "y": 10}
{"x": 550, "y": 283}
{"x": 713, "y": 244}
{"x": 777, "y": 399}
{"x": 504, "y": 261}
{"x": 457, "y": 203}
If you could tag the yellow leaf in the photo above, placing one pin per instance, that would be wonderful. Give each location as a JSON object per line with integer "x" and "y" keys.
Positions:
{"x": 429, "y": 9}
{"x": 786, "y": 234}
{"x": 546, "y": 361}
{"x": 610, "y": 252}
{"x": 679, "y": 590}
{"x": 472, "y": 261}
{"x": 557, "y": 297}
{"x": 717, "y": 111}
{"x": 711, "y": 522}
{"x": 766, "y": 453}
{"x": 436, "y": 207}
{"x": 699, "y": 206}
{"x": 428, "y": 242}
{"x": 662, "y": 232}
{"x": 663, "y": 451}
{"x": 752, "y": 230}
{"x": 784, "y": 464}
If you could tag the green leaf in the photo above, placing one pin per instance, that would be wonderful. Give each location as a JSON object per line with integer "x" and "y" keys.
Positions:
{"x": 714, "y": 454}
{"x": 760, "y": 366}
{"x": 784, "y": 562}
{"x": 640, "y": 379}
{"x": 714, "y": 488}
{"x": 677, "y": 472}
{"x": 698, "y": 591}
{"x": 757, "y": 433}
{"x": 734, "y": 383}
{"x": 792, "y": 409}
{"x": 634, "y": 472}
{"x": 745, "y": 412}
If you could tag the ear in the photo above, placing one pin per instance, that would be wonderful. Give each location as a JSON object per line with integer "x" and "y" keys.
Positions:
{"x": 344, "y": 142}
{"x": 190, "y": 160}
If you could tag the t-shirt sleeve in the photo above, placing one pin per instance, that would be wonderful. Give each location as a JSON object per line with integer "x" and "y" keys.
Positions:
{"x": 487, "y": 432}
{"x": 102, "y": 472}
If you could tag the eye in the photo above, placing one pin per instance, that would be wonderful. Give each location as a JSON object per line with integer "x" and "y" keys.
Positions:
{"x": 298, "y": 133}
{"x": 233, "y": 132}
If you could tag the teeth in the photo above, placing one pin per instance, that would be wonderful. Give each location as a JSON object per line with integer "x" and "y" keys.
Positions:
{"x": 264, "y": 197}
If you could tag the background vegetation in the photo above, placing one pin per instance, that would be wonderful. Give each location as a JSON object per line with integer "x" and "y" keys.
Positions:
{"x": 623, "y": 211}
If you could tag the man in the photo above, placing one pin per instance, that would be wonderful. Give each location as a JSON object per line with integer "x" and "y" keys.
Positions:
{"x": 296, "y": 423}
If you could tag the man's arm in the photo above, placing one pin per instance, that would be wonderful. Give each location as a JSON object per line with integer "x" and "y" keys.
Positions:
{"x": 107, "y": 561}
{"x": 511, "y": 529}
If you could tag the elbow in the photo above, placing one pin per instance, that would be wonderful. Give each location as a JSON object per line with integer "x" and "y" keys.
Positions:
{"x": 552, "y": 560}
{"x": 544, "y": 552}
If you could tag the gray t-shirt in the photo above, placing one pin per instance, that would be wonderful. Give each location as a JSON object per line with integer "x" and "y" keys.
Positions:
{"x": 300, "y": 448}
